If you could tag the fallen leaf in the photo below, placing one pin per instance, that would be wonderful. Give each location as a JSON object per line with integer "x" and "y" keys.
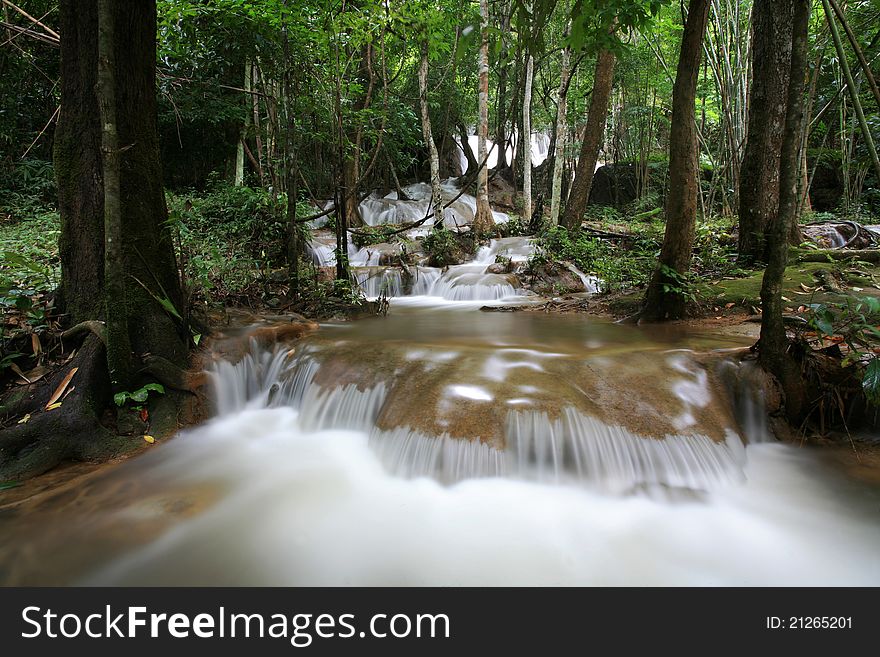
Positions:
{"x": 25, "y": 419}
{"x": 729, "y": 305}
{"x": 145, "y": 415}
{"x": 719, "y": 317}
{"x": 786, "y": 299}
{"x": 37, "y": 373}
{"x": 35, "y": 344}
{"x": 67, "y": 394}
{"x": 802, "y": 309}
{"x": 858, "y": 289}
{"x": 52, "y": 407}
{"x": 150, "y": 439}
{"x": 789, "y": 310}
{"x": 61, "y": 388}
{"x": 807, "y": 288}
{"x": 15, "y": 368}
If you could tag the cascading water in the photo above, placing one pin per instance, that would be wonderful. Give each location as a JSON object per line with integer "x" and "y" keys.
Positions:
{"x": 458, "y": 448}
{"x": 442, "y": 448}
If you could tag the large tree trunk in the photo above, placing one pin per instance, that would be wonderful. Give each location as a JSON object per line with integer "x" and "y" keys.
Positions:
{"x": 117, "y": 341}
{"x": 665, "y": 298}
{"x": 527, "y": 144}
{"x": 759, "y": 174}
{"x": 560, "y": 132}
{"x": 483, "y": 221}
{"x": 77, "y": 155}
{"x": 151, "y": 277}
{"x": 433, "y": 156}
{"x": 773, "y": 344}
{"x": 579, "y": 194}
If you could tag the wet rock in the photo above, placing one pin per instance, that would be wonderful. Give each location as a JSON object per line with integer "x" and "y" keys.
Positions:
{"x": 553, "y": 279}
{"x": 504, "y": 267}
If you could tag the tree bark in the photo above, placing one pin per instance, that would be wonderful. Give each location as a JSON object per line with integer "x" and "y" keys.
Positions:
{"x": 560, "y": 132}
{"x": 773, "y": 343}
{"x": 151, "y": 277}
{"x": 77, "y": 159}
{"x": 759, "y": 174}
{"x": 666, "y": 297}
{"x": 527, "y": 143}
{"x": 433, "y": 156}
{"x": 117, "y": 341}
{"x": 579, "y": 194}
{"x": 483, "y": 220}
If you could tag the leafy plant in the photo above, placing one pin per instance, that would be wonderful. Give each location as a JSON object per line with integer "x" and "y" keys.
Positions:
{"x": 852, "y": 322}
{"x": 139, "y": 396}
{"x": 441, "y": 246}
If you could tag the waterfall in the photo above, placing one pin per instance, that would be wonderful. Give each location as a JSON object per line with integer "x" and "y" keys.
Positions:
{"x": 572, "y": 446}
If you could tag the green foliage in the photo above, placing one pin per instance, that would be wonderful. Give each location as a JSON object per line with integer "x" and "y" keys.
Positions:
{"x": 441, "y": 247}
{"x": 139, "y": 396}
{"x": 853, "y": 322}
{"x": 515, "y": 227}
{"x": 369, "y": 235}
{"x": 618, "y": 266}
{"x": 229, "y": 237}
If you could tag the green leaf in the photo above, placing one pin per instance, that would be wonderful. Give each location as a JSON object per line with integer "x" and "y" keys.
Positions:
{"x": 6, "y": 485}
{"x": 119, "y": 398}
{"x": 168, "y": 306}
{"x": 155, "y": 387}
{"x": 141, "y": 395}
{"x": 871, "y": 381}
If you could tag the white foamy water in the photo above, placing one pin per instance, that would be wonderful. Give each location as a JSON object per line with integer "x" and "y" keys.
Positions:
{"x": 319, "y": 508}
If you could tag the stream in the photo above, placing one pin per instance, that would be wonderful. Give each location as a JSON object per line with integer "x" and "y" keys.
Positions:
{"x": 442, "y": 445}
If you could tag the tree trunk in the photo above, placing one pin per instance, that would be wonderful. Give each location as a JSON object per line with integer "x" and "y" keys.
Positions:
{"x": 559, "y": 139}
{"x": 773, "y": 344}
{"x": 151, "y": 283}
{"x": 116, "y": 341}
{"x": 501, "y": 123}
{"x": 238, "y": 179}
{"x": 666, "y": 295}
{"x": 433, "y": 156}
{"x": 579, "y": 194}
{"x": 860, "y": 55}
{"x": 77, "y": 159}
{"x": 472, "y": 163}
{"x": 759, "y": 174}
{"x": 291, "y": 161}
{"x": 483, "y": 221}
{"x": 852, "y": 88}
{"x": 527, "y": 143}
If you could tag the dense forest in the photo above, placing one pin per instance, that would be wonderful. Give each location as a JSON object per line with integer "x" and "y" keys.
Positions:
{"x": 165, "y": 162}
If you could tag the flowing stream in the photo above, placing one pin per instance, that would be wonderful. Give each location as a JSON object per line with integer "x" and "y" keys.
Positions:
{"x": 441, "y": 445}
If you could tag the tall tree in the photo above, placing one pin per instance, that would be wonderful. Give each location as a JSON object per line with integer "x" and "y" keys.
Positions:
{"x": 560, "y": 133}
{"x": 527, "y": 140}
{"x": 759, "y": 174}
{"x": 116, "y": 340}
{"x": 433, "y": 156}
{"x": 579, "y": 195}
{"x": 773, "y": 344}
{"x": 483, "y": 221}
{"x": 665, "y": 297}
{"x": 147, "y": 293}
